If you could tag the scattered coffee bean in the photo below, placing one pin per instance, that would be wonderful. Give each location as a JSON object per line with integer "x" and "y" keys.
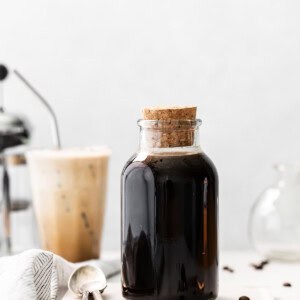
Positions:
{"x": 257, "y": 267}
{"x": 265, "y": 262}
{"x": 244, "y": 298}
{"x": 287, "y": 284}
{"x": 261, "y": 265}
{"x": 226, "y": 268}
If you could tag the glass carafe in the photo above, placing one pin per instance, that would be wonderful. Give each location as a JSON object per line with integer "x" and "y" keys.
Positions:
{"x": 18, "y": 227}
{"x": 23, "y": 226}
{"x": 169, "y": 215}
{"x": 274, "y": 225}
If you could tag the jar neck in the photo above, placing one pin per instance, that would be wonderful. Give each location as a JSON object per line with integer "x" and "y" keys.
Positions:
{"x": 169, "y": 136}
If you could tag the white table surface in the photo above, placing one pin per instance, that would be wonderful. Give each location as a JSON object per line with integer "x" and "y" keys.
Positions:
{"x": 245, "y": 281}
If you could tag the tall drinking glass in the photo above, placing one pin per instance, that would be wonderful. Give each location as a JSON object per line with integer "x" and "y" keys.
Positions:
{"x": 69, "y": 191}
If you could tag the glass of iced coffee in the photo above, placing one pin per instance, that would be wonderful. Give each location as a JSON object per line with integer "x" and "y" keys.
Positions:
{"x": 69, "y": 191}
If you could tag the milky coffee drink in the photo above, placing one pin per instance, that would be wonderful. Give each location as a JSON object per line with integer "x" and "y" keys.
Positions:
{"x": 69, "y": 190}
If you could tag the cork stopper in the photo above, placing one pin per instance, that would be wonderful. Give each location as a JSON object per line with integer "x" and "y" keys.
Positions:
{"x": 169, "y": 130}
{"x": 170, "y": 113}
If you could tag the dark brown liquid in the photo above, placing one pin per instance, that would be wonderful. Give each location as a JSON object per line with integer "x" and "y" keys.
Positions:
{"x": 169, "y": 228}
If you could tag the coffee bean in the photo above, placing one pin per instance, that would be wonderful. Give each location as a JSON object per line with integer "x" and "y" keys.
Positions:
{"x": 226, "y": 268}
{"x": 287, "y": 284}
{"x": 257, "y": 267}
{"x": 244, "y": 298}
{"x": 260, "y": 265}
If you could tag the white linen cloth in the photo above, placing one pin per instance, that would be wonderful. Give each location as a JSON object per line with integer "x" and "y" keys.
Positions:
{"x": 33, "y": 274}
{"x": 39, "y": 275}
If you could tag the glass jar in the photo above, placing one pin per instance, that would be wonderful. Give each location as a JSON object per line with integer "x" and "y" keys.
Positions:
{"x": 169, "y": 222}
{"x": 274, "y": 223}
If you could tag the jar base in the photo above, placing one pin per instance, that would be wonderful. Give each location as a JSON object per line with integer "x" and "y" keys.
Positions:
{"x": 133, "y": 296}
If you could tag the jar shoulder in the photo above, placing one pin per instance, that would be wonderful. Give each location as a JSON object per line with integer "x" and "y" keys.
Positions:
{"x": 129, "y": 162}
{"x": 210, "y": 166}
{"x": 198, "y": 162}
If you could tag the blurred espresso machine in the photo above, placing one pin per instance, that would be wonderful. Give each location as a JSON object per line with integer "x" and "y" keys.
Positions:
{"x": 17, "y": 225}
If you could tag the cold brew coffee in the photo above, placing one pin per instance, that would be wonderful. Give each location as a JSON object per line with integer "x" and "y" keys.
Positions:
{"x": 170, "y": 216}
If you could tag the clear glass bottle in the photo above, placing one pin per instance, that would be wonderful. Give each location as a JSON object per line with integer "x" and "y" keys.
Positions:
{"x": 169, "y": 215}
{"x": 274, "y": 224}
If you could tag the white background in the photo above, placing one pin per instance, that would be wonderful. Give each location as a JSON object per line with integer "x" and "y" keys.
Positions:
{"x": 99, "y": 62}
